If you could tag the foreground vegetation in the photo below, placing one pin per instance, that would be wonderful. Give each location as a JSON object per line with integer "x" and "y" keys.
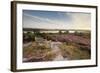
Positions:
{"x": 74, "y": 53}
{"x": 37, "y": 53}
{"x": 74, "y": 46}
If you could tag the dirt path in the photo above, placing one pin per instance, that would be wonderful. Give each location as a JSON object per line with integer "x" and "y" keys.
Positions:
{"x": 57, "y": 51}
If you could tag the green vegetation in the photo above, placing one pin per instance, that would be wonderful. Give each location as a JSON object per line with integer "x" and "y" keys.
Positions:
{"x": 29, "y": 36}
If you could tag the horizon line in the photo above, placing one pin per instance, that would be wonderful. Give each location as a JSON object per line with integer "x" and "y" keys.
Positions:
{"x": 45, "y": 29}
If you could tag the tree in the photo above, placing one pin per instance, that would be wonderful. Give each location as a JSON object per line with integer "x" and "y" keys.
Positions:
{"x": 66, "y": 32}
{"x": 60, "y": 32}
{"x": 31, "y": 36}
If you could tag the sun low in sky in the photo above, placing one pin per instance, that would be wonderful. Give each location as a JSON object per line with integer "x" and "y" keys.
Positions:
{"x": 56, "y": 20}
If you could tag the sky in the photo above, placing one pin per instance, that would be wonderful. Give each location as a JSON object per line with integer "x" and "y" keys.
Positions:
{"x": 56, "y": 20}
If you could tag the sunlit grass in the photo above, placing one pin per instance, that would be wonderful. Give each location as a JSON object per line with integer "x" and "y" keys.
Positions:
{"x": 74, "y": 53}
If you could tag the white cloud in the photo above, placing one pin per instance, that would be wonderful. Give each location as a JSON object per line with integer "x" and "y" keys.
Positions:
{"x": 80, "y": 20}
{"x": 30, "y": 21}
{"x": 77, "y": 21}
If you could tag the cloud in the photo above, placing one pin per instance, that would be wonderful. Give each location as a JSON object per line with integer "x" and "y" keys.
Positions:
{"x": 30, "y": 21}
{"x": 80, "y": 20}
{"x": 76, "y": 21}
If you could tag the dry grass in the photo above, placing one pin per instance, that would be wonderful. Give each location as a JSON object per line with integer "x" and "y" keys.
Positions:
{"x": 37, "y": 51}
{"x": 74, "y": 53}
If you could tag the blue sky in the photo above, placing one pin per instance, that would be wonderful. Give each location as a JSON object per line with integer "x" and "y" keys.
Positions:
{"x": 56, "y": 19}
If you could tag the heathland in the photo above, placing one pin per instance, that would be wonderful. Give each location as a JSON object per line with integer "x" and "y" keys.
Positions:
{"x": 59, "y": 46}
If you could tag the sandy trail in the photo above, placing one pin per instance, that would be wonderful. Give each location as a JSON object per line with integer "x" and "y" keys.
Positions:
{"x": 57, "y": 51}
